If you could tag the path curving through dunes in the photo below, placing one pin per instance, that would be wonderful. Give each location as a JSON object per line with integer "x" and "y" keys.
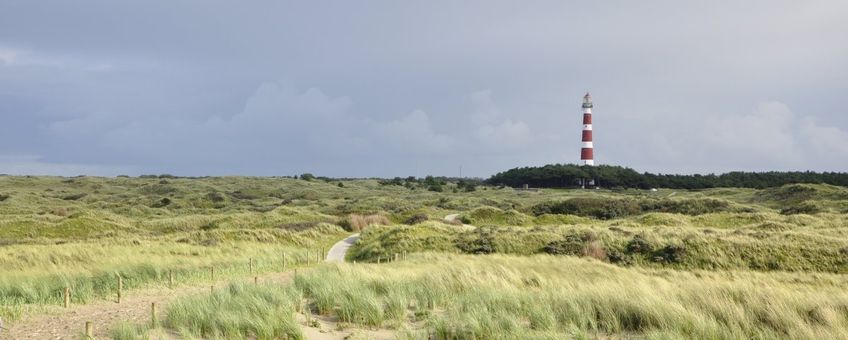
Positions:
{"x": 339, "y": 250}
{"x": 453, "y": 218}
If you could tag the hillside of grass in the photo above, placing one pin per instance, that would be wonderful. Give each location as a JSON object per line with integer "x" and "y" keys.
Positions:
{"x": 539, "y": 297}
{"x": 82, "y": 232}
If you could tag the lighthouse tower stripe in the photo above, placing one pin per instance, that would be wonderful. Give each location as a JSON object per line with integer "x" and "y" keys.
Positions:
{"x": 587, "y": 152}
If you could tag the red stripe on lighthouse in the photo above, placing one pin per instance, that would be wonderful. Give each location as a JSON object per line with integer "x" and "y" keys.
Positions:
{"x": 587, "y": 152}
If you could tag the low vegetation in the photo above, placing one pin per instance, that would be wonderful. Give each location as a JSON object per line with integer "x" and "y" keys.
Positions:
{"x": 538, "y": 297}
{"x": 552, "y": 263}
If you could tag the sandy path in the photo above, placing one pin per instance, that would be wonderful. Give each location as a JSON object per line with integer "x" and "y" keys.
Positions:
{"x": 61, "y": 323}
{"x": 339, "y": 250}
{"x": 453, "y": 217}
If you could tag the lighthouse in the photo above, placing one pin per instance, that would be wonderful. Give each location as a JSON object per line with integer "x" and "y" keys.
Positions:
{"x": 587, "y": 155}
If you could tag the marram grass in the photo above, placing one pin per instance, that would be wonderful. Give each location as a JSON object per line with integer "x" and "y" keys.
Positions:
{"x": 538, "y": 297}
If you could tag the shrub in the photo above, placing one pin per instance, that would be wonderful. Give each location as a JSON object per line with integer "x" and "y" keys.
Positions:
{"x": 639, "y": 245}
{"x": 356, "y": 222}
{"x": 162, "y": 203}
{"x": 572, "y": 244}
{"x": 417, "y": 218}
{"x": 74, "y": 197}
{"x": 215, "y": 197}
{"x": 670, "y": 254}
{"x": 3, "y": 197}
{"x": 307, "y": 177}
{"x": 805, "y": 207}
{"x": 602, "y": 208}
{"x": 481, "y": 243}
{"x": 697, "y": 206}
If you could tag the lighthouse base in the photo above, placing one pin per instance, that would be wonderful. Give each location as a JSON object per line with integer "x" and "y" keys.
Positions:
{"x": 587, "y": 162}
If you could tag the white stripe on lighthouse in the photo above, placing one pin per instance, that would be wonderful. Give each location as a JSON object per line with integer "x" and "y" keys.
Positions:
{"x": 587, "y": 145}
{"x": 587, "y": 127}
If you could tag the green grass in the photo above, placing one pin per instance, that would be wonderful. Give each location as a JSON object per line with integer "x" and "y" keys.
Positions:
{"x": 238, "y": 312}
{"x": 539, "y": 297}
{"x": 82, "y": 232}
{"x": 756, "y": 241}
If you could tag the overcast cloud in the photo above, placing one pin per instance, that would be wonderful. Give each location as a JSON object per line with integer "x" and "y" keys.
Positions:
{"x": 398, "y": 88}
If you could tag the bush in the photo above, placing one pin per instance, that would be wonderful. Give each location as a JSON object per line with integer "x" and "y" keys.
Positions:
{"x": 639, "y": 245}
{"x": 698, "y": 206}
{"x": 74, "y": 197}
{"x": 417, "y": 218}
{"x": 609, "y": 208}
{"x": 482, "y": 243}
{"x": 602, "y": 208}
{"x": 215, "y": 197}
{"x": 4, "y": 197}
{"x": 356, "y": 222}
{"x": 805, "y": 207}
{"x": 670, "y": 254}
{"x": 162, "y": 203}
{"x": 307, "y": 177}
{"x": 572, "y": 244}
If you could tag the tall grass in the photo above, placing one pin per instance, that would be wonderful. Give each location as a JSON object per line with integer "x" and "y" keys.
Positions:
{"x": 238, "y": 312}
{"x": 539, "y": 297}
{"x": 356, "y": 222}
{"x": 464, "y": 297}
{"x": 36, "y": 275}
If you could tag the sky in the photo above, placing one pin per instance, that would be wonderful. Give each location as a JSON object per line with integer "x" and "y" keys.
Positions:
{"x": 415, "y": 88}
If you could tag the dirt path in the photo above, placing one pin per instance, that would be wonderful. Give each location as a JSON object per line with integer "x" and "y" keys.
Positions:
{"x": 339, "y": 250}
{"x": 61, "y": 323}
{"x": 453, "y": 217}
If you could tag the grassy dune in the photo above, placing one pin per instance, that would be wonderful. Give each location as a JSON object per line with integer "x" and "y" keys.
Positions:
{"x": 544, "y": 297}
{"x": 718, "y": 263}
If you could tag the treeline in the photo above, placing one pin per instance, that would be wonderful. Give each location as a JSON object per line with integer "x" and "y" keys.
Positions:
{"x": 607, "y": 176}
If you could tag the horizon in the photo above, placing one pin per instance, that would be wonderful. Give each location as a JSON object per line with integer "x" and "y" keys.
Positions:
{"x": 415, "y": 89}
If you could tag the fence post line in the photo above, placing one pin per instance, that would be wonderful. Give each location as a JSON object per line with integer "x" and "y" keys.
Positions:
{"x": 120, "y": 287}
{"x": 67, "y": 297}
{"x": 153, "y": 320}
{"x": 89, "y": 332}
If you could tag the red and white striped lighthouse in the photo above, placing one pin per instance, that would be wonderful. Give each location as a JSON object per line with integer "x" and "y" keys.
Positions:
{"x": 587, "y": 154}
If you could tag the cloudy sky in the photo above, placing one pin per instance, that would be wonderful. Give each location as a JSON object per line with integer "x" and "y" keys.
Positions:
{"x": 398, "y": 88}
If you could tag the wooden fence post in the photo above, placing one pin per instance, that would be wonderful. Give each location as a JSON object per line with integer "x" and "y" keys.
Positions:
{"x": 396, "y": 257}
{"x": 67, "y": 297}
{"x": 89, "y": 331}
{"x": 307, "y": 257}
{"x": 250, "y": 263}
{"x": 256, "y": 280}
{"x": 212, "y": 272}
{"x": 120, "y": 287}
{"x": 153, "y": 320}
{"x": 170, "y": 279}
{"x": 284, "y": 261}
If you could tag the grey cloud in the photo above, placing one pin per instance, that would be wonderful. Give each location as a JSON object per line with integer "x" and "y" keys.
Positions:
{"x": 421, "y": 87}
